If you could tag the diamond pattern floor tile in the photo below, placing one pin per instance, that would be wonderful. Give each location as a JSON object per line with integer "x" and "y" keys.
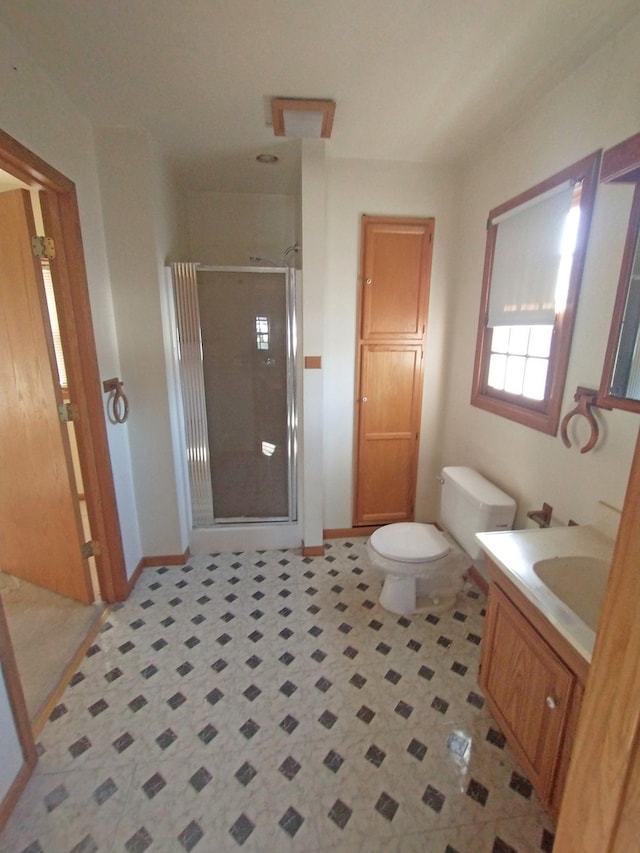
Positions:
{"x": 266, "y": 702}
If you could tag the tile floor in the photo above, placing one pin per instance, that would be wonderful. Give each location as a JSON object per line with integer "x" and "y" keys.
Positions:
{"x": 266, "y": 702}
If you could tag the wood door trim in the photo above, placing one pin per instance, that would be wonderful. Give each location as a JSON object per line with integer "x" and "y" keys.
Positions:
{"x": 80, "y": 353}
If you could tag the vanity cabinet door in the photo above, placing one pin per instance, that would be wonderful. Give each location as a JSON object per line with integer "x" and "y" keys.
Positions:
{"x": 528, "y": 690}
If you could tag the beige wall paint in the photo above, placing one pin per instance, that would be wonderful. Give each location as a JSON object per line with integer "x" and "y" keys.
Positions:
{"x": 355, "y": 187}
{"x": 227, "y": 228}
{"x": 594, "y": 108}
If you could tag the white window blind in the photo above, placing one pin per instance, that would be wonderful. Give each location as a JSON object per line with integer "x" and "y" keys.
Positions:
{"x": 526, "y": 260}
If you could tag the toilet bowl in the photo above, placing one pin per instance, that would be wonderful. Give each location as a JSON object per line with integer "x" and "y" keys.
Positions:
{"x": 422, "y": 567}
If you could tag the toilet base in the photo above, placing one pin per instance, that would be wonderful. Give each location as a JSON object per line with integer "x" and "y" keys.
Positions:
{"x": 399, "y": 595}
{"x": 430, "y": 587}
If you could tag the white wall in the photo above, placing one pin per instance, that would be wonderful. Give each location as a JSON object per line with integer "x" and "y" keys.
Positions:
{"x": 596, "y": 107}
{"x": 356, "y": 187}
{"x": 36, "y": 112}
{"x": 132, "y": 218}
{"x": 227, "y": 228}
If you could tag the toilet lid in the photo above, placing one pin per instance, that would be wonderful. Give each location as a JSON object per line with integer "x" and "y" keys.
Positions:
{"x": 410, "y": 542}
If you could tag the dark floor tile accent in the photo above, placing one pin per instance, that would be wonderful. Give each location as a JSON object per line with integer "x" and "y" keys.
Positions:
{"x": 440, "y": 705}
{"x": 149, "y": 671}
{"x": 214, "y": 696}
{"x": 445, "y": 642}
{"x": 383, "y": 648}
{"x": 477, "y": 791}
{"x": 521, "y": 785}
{"x": 393, "y": 676}
{"x": 496, "y": 738}
{"x": 254, "y": 661}
{"x": 176, "y": 700}
{"x": 350, "y": 652}
{"x": 59, "y": 711}
{"x": 123, "y": 742}
{"x": 288, "y": 688}
{"x": 190, "y": 835}
{"x": 340, "y": 813}
{"x": 289, "y": 767}
{"x": 358, "y": 680}
{"x": 318, "y": 656}
{"x": 500, "y": 846}
{"x": 459, "y": 668}
{"x": 105, "y": 791}
{"x": 433, "y": 798}
{"x": 333, "y": 760}
{"x": 286, "y": 658}
{"x": 376, "y": 625}
{"x": 323, "y": 684}
{"x": 426, "y": 672}
{"x": 184, "y": 669}
{"x": 403, "y": 622}
{"x": 289, "y": 724}
{"x": 474, "y": 638}
{"x": 126, "y": 647}
{"x": 252, "y": 692}
{"x": 386, "y": 806}
{"x": 369, "y": 605}
{"x": 242, "y": 829}
{"x": 165, "y": 739}
{"x": 116, "y": 672}
{"x": 245, "y": 773}
{"x": 291, "y": 821}
{"x": 249, "y": 729}
{"x": 365, "y": 714}
{"x": 404, "y": 709}
{"x": 327, "y": 719}
{"x": 375, "y": 755}
{"x": 475, "y": 699}
{"x": 55, "y": 797}
{"x": 417, "y": 749}
{"x": 414, "y": 645}
{"x": 153, "y": 785}
{"x": 79, "y": 747}
{"x": 548, "y": 839}
{"x": 208, "y": 733}
{"x": 137, "y": 703}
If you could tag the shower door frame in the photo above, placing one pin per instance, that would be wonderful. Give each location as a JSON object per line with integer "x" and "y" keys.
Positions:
{"x": 194, "y": 402}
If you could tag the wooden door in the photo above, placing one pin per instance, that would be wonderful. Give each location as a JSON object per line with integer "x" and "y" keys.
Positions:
{"x": 389, "y": 425}
{"x": 394, "y": 293}
{"x": 40, "y": 522}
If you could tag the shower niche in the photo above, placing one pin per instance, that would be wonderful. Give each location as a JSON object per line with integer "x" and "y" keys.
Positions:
{"x": 236, "y": 353}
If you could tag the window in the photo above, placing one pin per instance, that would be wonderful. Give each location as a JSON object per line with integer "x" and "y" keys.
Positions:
{"x": 262, "y": 332}
{"x": 536, "y": 244}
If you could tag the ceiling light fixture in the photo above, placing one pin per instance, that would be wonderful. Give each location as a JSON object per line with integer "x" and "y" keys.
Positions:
{"x": 302, "y": 118}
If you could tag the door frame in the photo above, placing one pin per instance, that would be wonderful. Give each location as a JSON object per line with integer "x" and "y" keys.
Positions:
{"x": 62, "y": 222}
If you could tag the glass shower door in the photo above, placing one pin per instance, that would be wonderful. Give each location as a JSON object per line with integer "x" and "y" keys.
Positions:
{"x": 245, "y": 395}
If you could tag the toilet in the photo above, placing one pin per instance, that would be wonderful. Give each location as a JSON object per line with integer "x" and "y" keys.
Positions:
{"x": 423, "y": 565}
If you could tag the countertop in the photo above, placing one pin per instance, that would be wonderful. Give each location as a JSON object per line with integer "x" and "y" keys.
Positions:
{"x": 515, "y": 551}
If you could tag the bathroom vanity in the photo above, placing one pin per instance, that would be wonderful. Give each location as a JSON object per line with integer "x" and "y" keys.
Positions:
{"x": 536, "y": 648}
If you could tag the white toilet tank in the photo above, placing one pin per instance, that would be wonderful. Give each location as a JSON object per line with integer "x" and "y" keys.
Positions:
{"x": 470, "y": 504}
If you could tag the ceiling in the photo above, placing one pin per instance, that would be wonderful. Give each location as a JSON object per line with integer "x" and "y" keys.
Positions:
{"x": 414, "y": 80}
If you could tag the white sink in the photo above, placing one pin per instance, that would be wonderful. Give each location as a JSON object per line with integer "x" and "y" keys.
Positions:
{"x": 578, "y": 581}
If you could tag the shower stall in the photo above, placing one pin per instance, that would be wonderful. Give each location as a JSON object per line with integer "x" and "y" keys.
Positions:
{"x": 236, "y": 352}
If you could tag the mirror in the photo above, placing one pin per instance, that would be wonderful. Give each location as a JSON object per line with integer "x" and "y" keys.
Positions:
{"x": 620, "y": 385}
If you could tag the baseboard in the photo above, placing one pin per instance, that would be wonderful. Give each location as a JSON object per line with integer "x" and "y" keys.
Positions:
{"x": 478, "y": 579}
{"x": 349, "y": 532}
{"x": 313, "y": 550}
{"x": 154, "y": 562}
{"x": 38, "y": 722}
{"x": 15, "y": 791}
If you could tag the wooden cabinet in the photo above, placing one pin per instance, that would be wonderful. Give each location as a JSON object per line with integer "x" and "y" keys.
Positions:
{"x": 528, "y": 674}
{"x": 394, "y": 293}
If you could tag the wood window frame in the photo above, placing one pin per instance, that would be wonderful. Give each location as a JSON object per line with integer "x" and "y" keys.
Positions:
{"x": 543, "y": 415}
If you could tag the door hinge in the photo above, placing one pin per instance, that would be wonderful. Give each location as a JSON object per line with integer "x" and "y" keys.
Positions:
{"x": 90, "y": 549}
{"x": 43, "y": 247}
{"x": 68, "y": 412}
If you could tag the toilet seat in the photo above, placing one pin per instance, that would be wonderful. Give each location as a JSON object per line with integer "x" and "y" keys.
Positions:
{"x": 410, "y": 542}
